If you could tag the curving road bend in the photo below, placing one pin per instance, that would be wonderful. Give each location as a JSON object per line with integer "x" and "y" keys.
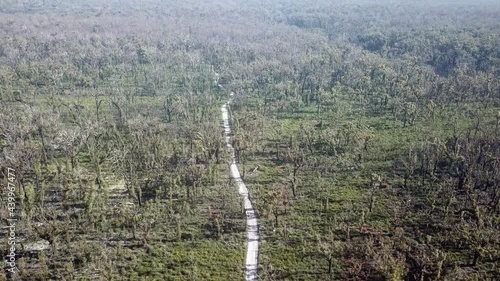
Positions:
{"x": 252, "y": 222}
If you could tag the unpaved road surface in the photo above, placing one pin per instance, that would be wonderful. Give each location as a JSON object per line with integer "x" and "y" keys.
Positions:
{"x": 252, "y": 222}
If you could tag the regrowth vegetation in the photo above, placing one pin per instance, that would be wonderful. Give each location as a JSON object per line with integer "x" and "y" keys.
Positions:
{"x": 368, "y": 134}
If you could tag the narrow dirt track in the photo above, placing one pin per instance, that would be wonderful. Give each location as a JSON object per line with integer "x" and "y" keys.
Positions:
{"x": 252, "y": 262}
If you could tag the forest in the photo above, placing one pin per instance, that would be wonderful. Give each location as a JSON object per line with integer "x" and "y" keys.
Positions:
{"x": 366, "y": 131}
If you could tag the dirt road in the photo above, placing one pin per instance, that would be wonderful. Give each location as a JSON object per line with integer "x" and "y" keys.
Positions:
{"x": 252, "y": 261}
